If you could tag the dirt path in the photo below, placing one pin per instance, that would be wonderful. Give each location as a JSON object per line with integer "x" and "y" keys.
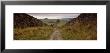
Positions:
{"x": 56, "y": 35}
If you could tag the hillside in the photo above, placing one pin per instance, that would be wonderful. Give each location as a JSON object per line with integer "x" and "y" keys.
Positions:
{"x": 84, "y": 27}
{"x": 24, "y": 20}
{"x": 84, "y": 18}
{"x": 27, "y": 27}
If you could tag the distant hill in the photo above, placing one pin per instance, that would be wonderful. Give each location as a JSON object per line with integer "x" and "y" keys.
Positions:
{"x": 49, "y": 21}
{"x": 24, "y": 20}
{"x": 62, "y": 21}
{"x": 67, "y": 19}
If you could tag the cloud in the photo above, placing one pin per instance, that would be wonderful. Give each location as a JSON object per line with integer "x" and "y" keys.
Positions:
{"x": 54, "y": 15}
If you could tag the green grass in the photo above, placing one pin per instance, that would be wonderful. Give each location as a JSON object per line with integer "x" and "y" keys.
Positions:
{"x": 61, "y": 23}
{"x": 33, "y": 33}
{"x": 79, "y": 32}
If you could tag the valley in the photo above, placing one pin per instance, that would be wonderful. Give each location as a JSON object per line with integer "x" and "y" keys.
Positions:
{"x": 83, "y": 27}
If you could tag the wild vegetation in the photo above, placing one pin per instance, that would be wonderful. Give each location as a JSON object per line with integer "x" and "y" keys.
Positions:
{"x": 22, "y": 20}
{"x": 83, "y": 27}
{"x": 27, "y": 27}
{"x": 33, "y": 33}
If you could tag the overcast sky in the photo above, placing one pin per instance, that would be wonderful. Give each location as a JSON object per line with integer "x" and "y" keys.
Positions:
{"x": 54, "y": 15}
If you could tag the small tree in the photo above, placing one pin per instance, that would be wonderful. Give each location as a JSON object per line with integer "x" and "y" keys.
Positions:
{"x": 45, "y": 18}
{"x": 57, "y": 21}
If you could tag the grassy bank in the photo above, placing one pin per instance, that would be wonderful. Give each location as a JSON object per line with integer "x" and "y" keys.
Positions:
{"x": 33, "y": 33}
{"x": 79, "y": 32}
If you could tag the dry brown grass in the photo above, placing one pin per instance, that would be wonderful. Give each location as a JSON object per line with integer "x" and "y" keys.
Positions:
{"x": 32, "y": 33}
{"x": 79, "y": 32}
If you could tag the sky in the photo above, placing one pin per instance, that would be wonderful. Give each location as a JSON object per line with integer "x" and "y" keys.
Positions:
{"x": 54, "y": 15}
